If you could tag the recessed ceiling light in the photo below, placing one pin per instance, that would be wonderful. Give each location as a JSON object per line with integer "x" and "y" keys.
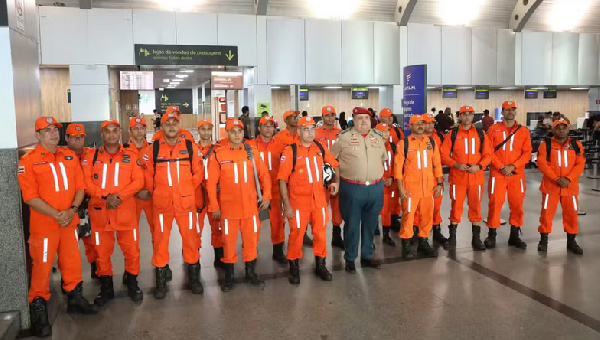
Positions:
{"x": 565, "y": 15}
{"x": 509, "y": 88}
{"x": 459, "y": 12}
{"x": 579, "y": 88}
{"x": 177, "y": 80}
{"x": 275, "y": 87}
{"x": 431, "y": 87}
{"x": 539, "y": 88}
{"x": 182, "y": 76}
{"x": 188, "y": 71}
{"x": 166, "y": 80}
{"x": 373, "y": 87}
{"x": 464, "y": 88}
{"x": 332, "y": 87}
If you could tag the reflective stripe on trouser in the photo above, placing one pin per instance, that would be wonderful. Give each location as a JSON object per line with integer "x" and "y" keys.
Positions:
{"x": 386, "y": 210}
{"x": 43, "y": 248}
{"x": 189, "y": 236}
{"x": 90, "y": 250}
{"x": 148, "y": 210}
{"x": 277, "y": 222}
{"x": 498, "y": 186}
{"x": 424, "y": 208}
{"x": 128, "y": 241}
{"x": 230, "y": 229}
{"x": 360, "y": 206}
{"x": 569, "y": 205}
{"x": 318, "y": 219}
{"x": 474, "y": 193}
{"x": 216, "y": 238}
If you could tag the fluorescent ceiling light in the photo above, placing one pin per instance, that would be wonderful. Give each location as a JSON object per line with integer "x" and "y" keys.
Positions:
{"x": 182, "y": 76}
{"x": 509, "y": 88}
{"x": 332, "y": 87}
{"x": 459, "y": 12}
{"x": 275, "y": 87}
{"x": 334, "y": 9}
{"x": 187, "y": 71}
{"x": 579, "y": 88}
{"x": 565, "y": 15}
{"x": 161, "y": 88}
{"x": 431, "y": 87}
{"x": 179, "y": 5}
{"x": 464, "y": 88}
{"x": 177, "y": 80}
{"x": 166, "y": 80}
{"x": 539, "y": 88}
{"x": 373, "y": 87}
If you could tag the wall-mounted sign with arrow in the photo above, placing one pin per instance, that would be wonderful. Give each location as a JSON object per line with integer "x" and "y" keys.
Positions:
{"x": 175, "y": 97}
{"x": 186, "y": 55}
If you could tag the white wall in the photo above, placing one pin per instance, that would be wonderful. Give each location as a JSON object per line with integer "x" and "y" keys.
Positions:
{"x": 425, "y": 47}
{"x": 588, "y": 59}
{"x": 565, "y": 56}
{"x": 196, "y": 28}
{"x": 240, "y": 31}
{"x": 90, "y": 93}
{"x": 357, "y": 49}
{"x": 8, "y": 128}
{"x": 536, "y": 58}
{"x": 456, "y": 55}
{"x": 386, "y": 54}
{"x": 505, "y": 57}
{"x": 285, "y": 51}
{"x": 484, "y": 56}
{"x": 323, "y": 51}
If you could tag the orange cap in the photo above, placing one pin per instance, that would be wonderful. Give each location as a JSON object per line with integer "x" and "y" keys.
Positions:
{"x": 168, "y": 116}
{"x": 204, "y": 121}
{"x": 386, "y": 113}
{"x": 109, "y": 122}
{"x": 233, "y": 123}
{"x": 265, "y": 120}
{"x": 382, "y": 127}
{"x": 136, "y": 121}
{"x": 509, "y": 105}
{"x": 466, "y": 108}
{"x": 429, "y": 118}
{"x": 559, "y": 122}
{"x": 306, "y": 121}
{"x": 44, "y": 122}
{"x": 173, "y": 109}
{"x": 289, "y": 113}
{"x": 327, "y": 110}
{"x": 417, "y": 118}
{"x": 75, "y": 129}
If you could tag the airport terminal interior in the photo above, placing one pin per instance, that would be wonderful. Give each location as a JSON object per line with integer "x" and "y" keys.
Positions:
{"x": 91, "y": 61}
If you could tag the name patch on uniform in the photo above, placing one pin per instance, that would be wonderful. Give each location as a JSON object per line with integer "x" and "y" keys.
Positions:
{"x": 161, "y": 158}
{"x": 183, "y": 152}
{"x": 226, "y": 162}
{"x": 68, "y": 158}
{"x": 126, "y": 161}
{"x": 40, "y": 163}
{"x": 126, "y": 156}
{"x": 21, "y": 170}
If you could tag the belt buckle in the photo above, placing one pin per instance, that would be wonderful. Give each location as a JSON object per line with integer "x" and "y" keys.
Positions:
{"x": 367, "y": 183}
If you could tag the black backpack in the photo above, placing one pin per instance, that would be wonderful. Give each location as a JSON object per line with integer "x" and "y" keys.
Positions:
{"x": 295, "y": 153}
{"x": 190, "y": 148}
{"x": 455, "y": 132}
{"x": 406, "y": 145}
{"x": 548, "y": 142}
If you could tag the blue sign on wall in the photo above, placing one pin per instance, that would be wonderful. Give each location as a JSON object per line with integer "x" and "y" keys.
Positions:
{"x": 415, "y": 93}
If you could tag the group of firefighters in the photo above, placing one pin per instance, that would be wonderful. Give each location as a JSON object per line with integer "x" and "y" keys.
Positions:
{"x": 290, "y": 176}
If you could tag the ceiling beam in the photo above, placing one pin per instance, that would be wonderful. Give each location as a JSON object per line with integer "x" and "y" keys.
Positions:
{"x": 85, "y": 4}
{"x": 260, "y": 7}
{"x": 404, "y": 9}
{"x": 523, "y": 11}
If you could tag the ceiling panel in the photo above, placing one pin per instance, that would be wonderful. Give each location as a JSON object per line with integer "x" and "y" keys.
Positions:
{"x": 544, "y": 16}
{"x": 209, "y": 6}
{"x": 493, "y": 13}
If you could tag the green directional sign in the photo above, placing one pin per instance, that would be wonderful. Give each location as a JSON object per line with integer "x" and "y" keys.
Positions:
{"x": 186, "y": 55}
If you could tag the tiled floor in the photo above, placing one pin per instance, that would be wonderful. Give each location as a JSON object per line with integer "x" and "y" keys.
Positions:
{"x": 500, "y": 294}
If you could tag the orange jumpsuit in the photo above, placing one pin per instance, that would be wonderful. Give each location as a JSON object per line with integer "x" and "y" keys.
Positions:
{"x": 287, "y": 138}
{"x": 202, "y": 200}
{"x": 307, "y": 197}
{"x": 462, "y": 183}
{"x": 389, "y": 193}
{"x": 517, "y": 152}
{"x": 231, "y": 169}
{"x": 395, "y": 138}
{"x": 437, "y": 201}
{"x": 327, "y": 138}
{"x": 183, "y": 133}
{"x": 418, "y": 170}
{"x": 55, "y": 178}
{"x": 120, "y": 174}
{"x": 564, "y": 162}
{"x": 270, "y": 153}
{"x": 141, "y": 204}
{"x": 88, "y": 242}
{"x": 173, "y": 185}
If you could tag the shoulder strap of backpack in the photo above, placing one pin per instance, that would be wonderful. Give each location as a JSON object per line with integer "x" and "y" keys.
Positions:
{"x": 190, "y": 148}
{"x": 397, "y": 131}
{"x": 155, "y": 148}
{"x": 548, "y": 142}
{"x": 209, "y": 151}
{"x": 394, "y": 147}
{"x": 322, "y": 150}
{"x": 432, "y": 142}
{"x": 441, "y": 135}
{"x": 481, "y": 139}
{"x": 453, "y": 138}
{"x": 405, "y": 146}
{"x": 575, "y": 146}
{"x": 95, "y": 157}
{"x": 294, "y": 154}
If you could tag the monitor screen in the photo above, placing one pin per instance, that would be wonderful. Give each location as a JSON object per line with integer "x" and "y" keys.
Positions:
{"x": 482, "y": 94}
{"x": 550, "y": 94}
{"x": 137, "y": 80}
{"x": 303, "y": 95}
{"x": 360, "y": 93}
{"x": 531, "y": 94}
{"x": 448, "y": 92}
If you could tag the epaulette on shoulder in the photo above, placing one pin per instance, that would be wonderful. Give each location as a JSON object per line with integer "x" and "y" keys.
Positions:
{"x": 344, "y": 131}
{"x": 377, "y": 132}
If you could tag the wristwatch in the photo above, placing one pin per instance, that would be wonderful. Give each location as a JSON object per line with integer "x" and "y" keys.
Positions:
{"x": 440, "y": 184}
{"x": 75, "y": 208}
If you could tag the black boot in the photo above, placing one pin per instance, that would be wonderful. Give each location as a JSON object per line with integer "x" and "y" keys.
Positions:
{"x": 160, "y": 290}
{"x": 107, "y": 291}
{"x": 514, "y": 240}
{"x": 406, "y": 253}
{"x": 39, "y": 318}
{"x": 336, "y": 237}
{"x": 425, "y": 249}
{"x": 307, "y": 241}
{"x": 350, "y": 267}
{"x": 219, "y": 252}
{"x": 377, "y": 231}
{"x": 168, "y": 273}
{"x": 451, "y": 244}
{"x": 294, "y": 276}
{"x": 321, "y": 270}
{"x": 93, "y": 269}
{"x": 194, "y": 277}
{"x": 415, "y": 238}
{"x": 125, "y": 277}
{"x": 228, "y": 283}
{"x": 438, "y": 236}
{"x": 396, "y": 223}
{"x": 278, "y": 254}
{"x": 543, "y": 245}
{"x": 476, "y": 239}
{"x": 76, "y": 303}
{"x": 572, "y": 245}
{"x": 490, "y": 241}
{"x": 386, "y": 237}
{"x": 133, "y": 290}
{"x": 251, "y": 276}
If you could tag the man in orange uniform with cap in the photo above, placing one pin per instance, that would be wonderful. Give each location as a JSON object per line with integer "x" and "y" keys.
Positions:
{"x": 418, "y": 172}
{"x": 326, "y": 135}
{"x": 52, "y": 185}
{"x": 183, "y": 133}
{"x": 172, "y": 174}
{"x": 466, "y": 150}
{"x": 561, "y": 160}
{"x": 113, "y": 175}
{"x": 304, "y": 197}
{"x": 236, "y": 168}
{"x": 75, "y": 137}
{"x": 396, "y": 134}
{"x": 512, "y": 151}
{"x": 389, "y": 191}
{"x": 207, "y": 149}
{"x": 270, "y": 150}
